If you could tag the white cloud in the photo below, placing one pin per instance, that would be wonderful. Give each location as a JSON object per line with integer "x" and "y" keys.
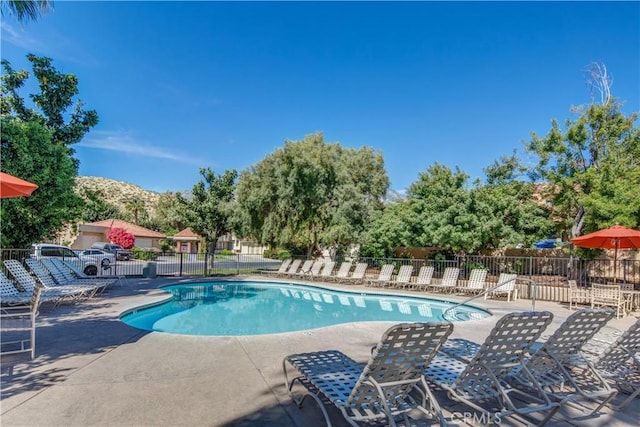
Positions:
{"x": 19, "y": 38}
{"x": 52, "y": 44}
{"x": 124, "y": 143}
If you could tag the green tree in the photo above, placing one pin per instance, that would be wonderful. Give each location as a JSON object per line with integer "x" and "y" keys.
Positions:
{"x": 25, "y": 10}
{"x": 137, "y": 210}
{"x": 592, "y": 167}
{"x": 27, "y": 152}
{"x": 96, "y": 208}
{"x": 509, "y": 211}
{"x": 310, "y": 194}
{"x": 36, "y": 147}
{"x": 389, "y": 229}
{"x": 441, "y": 212}
{"x": 207, "y": 213}
{"x": 170, "y": 213}
{"x": 55, "y": 100}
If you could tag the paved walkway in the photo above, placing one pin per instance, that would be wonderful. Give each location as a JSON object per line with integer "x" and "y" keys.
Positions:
{"x": 93, "y": 370}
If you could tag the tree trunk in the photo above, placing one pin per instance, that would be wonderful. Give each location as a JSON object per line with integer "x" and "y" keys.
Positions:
{"x": 578, "y": 222}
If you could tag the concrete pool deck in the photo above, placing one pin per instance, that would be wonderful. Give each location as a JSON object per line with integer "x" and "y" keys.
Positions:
{"x": 93, "y": 370}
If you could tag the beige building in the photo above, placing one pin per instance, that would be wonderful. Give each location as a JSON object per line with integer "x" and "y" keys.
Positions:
{"x": 188, "y": 241}
{"x": 93, "y": 232}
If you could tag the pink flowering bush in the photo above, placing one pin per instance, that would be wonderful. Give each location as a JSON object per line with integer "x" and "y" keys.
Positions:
{"x": 121, "y": 237}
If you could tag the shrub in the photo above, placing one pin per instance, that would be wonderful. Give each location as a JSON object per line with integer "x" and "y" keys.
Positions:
{"x": 121, "y": 237}
{"x": 280, "y": 254}
{"x": 143, "y": 254}
{"x": 226, "y": 252}
{"x": 166, "y": 245}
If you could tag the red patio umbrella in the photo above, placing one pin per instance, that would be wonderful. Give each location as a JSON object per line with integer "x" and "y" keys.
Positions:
{"x": 11, "y": 186}
{"x": 616, "y": 237}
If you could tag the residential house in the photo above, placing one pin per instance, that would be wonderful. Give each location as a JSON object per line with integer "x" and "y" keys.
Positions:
{"x": 93, "y": 232}
{"x": 188, "y": 241}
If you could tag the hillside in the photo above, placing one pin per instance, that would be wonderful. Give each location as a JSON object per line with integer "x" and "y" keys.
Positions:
{"x": 118, "y": 193}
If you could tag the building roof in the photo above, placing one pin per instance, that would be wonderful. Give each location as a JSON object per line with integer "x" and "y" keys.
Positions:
{"x": 186, "y": 234}
{"x": 134, "y": 229}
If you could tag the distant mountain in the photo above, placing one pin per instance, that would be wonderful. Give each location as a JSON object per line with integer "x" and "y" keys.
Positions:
{"x": 118, "y": 193}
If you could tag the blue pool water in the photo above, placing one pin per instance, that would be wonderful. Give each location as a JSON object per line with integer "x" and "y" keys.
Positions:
{"x": 256, "y": 308}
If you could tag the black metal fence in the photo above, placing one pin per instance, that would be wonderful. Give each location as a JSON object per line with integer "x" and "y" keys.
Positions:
{"x": 173, "y": 264}
{"x": 543, "y": 270}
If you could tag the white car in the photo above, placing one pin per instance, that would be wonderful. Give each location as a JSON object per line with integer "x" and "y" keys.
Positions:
{"x": 101, "y": 258}
{"x": 49, "y": 250}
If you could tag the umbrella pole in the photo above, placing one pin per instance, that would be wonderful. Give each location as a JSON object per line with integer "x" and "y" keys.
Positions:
{"x": 615, "y": 263}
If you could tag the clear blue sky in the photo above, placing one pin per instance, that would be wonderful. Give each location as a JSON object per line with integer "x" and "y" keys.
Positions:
{"x": 184, "y": 85}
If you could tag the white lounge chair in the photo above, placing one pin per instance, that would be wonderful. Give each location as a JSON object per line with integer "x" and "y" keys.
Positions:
{"x": 425, "y": 276}
{"x": 305, "y": 268}
{"x": 293, "y": 268}
{"x": 49, "y": 282}
{"x": 313, "y": 271}
{"x": 554, "y": 363}
{"x": 343, "y": 272}
{"x": 620, "y": 364}
{"x": 79, "y": 274}
{"x": 403, "y": 279}
{"x": 327, "y": 269}
{"x": 476, "y": 283}
{"x": 283, "y": 267}
{"x": 55, "y": 295}
{"x": 10, "y": 295}
{"x": 19, "y": 324}
{"x": 63, "y": 276}
{"x": 378, "y": 392}
{"x": 449, "y": 280}
{"x": 480, "y": 380}
{"x": 506, "y": 286}
{"x": 359, "y": 273}
{"x": 384, "y": 276}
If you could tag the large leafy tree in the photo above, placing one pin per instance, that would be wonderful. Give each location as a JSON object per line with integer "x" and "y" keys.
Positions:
{"x": 36, "y": 146}
{"x": 511, "y": 211}
{"x": 96, "y": 208}
{"x": 170, "y": 213}
{"x": 593, "y": 168}
{"x": 440, "y": 205}
{"x": 208, "y": 212}
{"x": 27, "y": 152}
{"x": 311, "y": 194}
{"x": 441, "y": 212}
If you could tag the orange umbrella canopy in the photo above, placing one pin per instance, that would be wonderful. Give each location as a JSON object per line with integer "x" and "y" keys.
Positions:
{"x": 616, "y": 237}
{"x": 11, "y": 186}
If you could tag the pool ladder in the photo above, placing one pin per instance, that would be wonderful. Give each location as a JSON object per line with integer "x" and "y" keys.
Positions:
{"x": 533, "y": 293}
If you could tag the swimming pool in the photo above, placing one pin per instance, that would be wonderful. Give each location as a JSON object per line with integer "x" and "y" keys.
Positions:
{"x": 232, "y": 308}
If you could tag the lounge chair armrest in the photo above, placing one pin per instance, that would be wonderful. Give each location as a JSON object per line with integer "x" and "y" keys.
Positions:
{"x": 15, "y": 310}
{"x": 23, "y": 314}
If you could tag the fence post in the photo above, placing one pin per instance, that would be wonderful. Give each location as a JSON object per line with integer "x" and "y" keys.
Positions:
{"x": 180, "y": 269}
{"x": 206, "y": 262}
{"x": 238, "y": 264}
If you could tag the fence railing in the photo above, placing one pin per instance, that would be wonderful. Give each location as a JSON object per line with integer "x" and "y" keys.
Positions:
{"x": 542, "y": 270}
